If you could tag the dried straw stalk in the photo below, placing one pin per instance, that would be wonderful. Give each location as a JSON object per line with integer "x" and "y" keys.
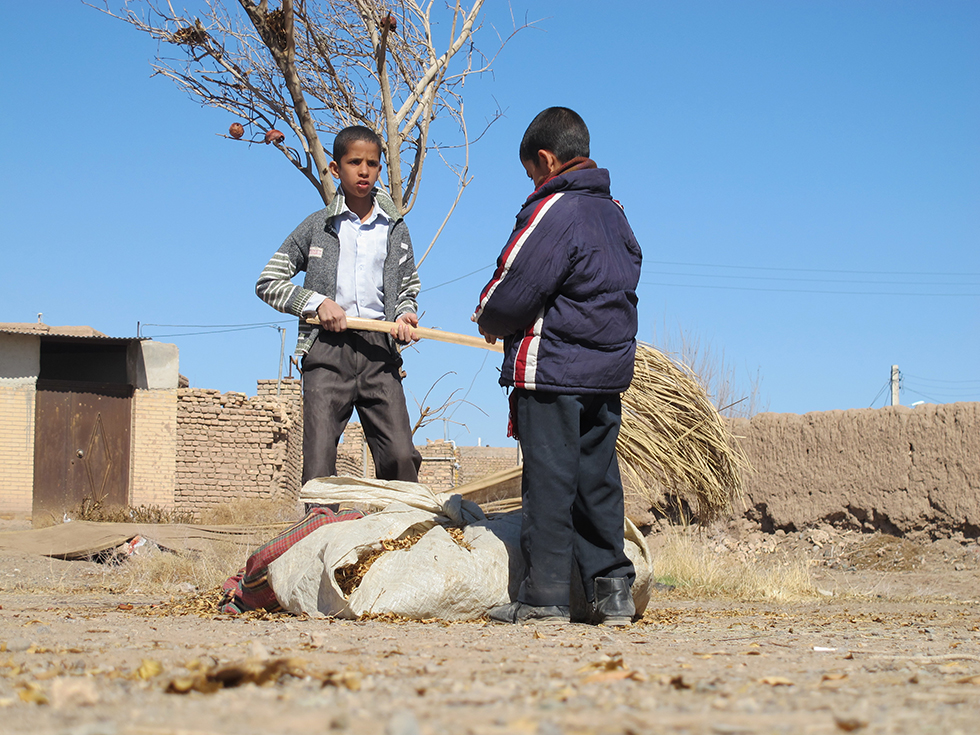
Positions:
{"x": 674, "y": 442}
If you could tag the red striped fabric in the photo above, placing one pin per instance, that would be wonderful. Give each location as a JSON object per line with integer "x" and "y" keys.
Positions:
{"x": 249, "y": 589}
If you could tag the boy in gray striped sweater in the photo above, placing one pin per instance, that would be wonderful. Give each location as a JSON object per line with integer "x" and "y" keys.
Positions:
{"x": 358, "y": 259}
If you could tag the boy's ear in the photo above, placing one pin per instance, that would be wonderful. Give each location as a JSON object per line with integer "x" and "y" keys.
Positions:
{"x": 334, "y": 169}
{"x": 549, "y": 161}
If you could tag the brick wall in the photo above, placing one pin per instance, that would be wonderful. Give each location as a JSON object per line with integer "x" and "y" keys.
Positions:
{"x": 154, "y": 465}
{"x": 231, "y": 447}
{"x": 288, "y": 393}
{"x": 17, "y": 448}
{"x": 354, "y": 459}
{"x": 440, "y": 465}
{"x": 440, "y": 460}
{"x": 477, "y": 462}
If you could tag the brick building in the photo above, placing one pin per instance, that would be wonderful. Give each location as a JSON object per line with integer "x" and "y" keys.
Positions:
{"x": 83, "y": 415}
{"x": 87, "y": 416}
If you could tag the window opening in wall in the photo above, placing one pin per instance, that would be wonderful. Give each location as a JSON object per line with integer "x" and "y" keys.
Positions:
{"x": 83, "y": 362}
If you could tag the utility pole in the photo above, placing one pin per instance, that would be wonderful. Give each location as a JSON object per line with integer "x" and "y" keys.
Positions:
{"x": 282, "y": 352}
{"x": 894, "y": 384}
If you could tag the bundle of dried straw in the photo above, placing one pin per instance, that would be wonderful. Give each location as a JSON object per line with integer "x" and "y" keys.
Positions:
{"x": 674, "y": 442}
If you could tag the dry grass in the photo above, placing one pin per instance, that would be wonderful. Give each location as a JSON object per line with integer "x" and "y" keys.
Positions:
{"x": 685, "y": 562}
{"x": 883, "y": 553}
{"x": 98, "y": 512}
{"x": 151, "y": 569}
{"x": 673, "y": 440}
{"x": 154, "y": 570}
{"x": 250, "y": 512}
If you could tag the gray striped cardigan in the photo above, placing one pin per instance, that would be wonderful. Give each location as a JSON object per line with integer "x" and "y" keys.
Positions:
{"x": 314, "y": 247}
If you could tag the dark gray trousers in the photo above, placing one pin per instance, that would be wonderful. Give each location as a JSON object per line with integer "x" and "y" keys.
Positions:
{"x": 347, "y": 370}
{"x": 572, "y": 494}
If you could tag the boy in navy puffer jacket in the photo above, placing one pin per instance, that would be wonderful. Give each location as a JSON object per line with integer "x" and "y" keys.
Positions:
{"x": 563, "y": 299}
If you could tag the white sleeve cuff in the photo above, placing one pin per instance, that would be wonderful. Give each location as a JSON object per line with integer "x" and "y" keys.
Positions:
{"x": 313, "y": 304}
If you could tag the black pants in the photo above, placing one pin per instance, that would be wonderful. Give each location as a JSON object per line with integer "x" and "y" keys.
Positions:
{"x": 572, "y": 494}
{"x": 344, "y": 370}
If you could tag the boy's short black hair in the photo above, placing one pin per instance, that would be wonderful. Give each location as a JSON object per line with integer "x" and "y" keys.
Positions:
{"x": 559, "y": 130}
{"x": 353, "y": 134}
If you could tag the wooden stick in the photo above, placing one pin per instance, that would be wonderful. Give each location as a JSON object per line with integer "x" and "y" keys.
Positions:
{"x": 375, "y": 325}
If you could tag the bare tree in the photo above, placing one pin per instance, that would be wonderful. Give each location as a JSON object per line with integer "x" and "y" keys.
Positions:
{"x": 715, "y": 373}
{"x": 315, "y": 67}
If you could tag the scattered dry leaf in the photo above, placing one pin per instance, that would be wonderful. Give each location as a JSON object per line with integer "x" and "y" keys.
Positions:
{"x": 31, "y": 693}
{"x": 149, "y": 668}
{"x": 850, "y": 724}
{"x": 235, "y": 675}
{"x": 833, "y": 681}
{"x": 611, "y": 662}
{"x": 609, "y": 668}
{"x": 776, "y": 681}
{"x": 617, "y": 675}
{"x": 348, "y": 679}
{"x": 349, "y": 577}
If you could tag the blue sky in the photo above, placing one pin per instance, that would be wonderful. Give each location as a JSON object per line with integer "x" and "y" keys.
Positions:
{"x": 804, "y": 179}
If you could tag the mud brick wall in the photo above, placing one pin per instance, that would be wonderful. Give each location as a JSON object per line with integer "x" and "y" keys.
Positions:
{"x": 231, "y": 447}
{"x": 154, "y": 454}
{"x": 17, "y": 448}
{"x": 440, "y": 465}
{"x": 440, "y": 460}
{"x": 477, "y": 462}
{"x": 353, "y": 456}
{"x": 290, "y": 395}
{"x": 900, "y": 470}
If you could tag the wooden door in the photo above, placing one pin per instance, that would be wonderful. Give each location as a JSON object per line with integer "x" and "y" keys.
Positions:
{"x": 81, "y": 445}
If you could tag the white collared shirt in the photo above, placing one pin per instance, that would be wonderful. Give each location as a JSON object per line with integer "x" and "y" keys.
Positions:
{"x": 360, "y": 269}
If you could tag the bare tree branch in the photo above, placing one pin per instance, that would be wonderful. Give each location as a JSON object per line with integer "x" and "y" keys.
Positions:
{"x": 308, "y": 68}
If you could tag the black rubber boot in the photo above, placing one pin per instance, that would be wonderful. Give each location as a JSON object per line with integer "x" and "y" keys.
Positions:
{"x": 613, "y": 603}
{"x": 518, "y": 612}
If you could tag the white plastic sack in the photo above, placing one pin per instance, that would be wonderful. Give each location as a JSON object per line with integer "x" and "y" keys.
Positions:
{"x": 355, "y": 491}
{"x": 436, "y": 577}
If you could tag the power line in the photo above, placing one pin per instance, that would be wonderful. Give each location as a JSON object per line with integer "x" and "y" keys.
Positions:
{"x": 803, "y": 290}
{"x": 923, "y": 395}
{"x": 883, "y": 389}
{"x": 811, "y": 270}
{"x": 818, "y": 280}
{"x": 459, "y": 278}
{"x": 217, "y": 326}
{"x": 214, "y": 331}
{"x": 935, "y": 380}
{"x": 956, "y": 393}
{"x": 783, "y": 278}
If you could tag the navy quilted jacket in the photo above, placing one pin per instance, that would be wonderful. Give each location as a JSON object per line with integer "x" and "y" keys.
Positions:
{"x": 564, "y": 292}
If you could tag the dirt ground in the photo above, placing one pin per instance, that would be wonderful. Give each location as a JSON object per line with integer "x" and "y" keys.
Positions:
{"x": 887, "y": 644}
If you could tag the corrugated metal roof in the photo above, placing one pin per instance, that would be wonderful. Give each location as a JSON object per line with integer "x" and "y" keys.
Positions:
{"x": 39, "y": 329}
